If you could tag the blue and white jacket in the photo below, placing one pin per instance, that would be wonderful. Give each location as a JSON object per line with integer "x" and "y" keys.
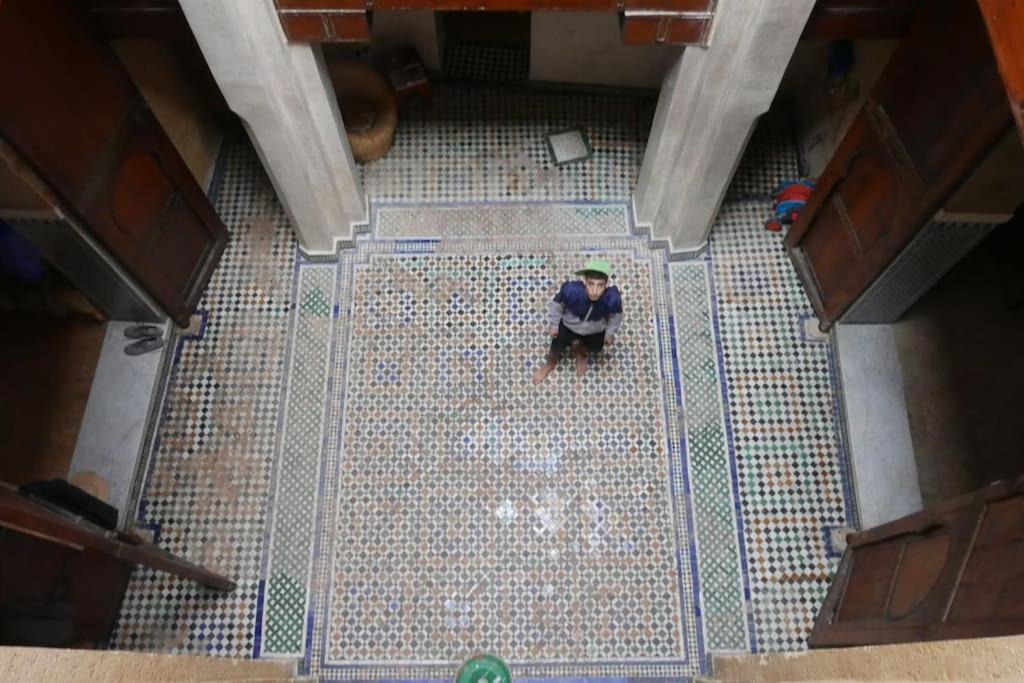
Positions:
{"x": 583, "y": 316}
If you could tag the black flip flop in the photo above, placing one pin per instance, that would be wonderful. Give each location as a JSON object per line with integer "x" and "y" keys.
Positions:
{"x": 142, "y": 331}
{"x": 144, "y": 345}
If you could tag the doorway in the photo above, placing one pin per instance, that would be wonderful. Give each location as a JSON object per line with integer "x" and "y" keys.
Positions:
{"x": 485, "y": 46}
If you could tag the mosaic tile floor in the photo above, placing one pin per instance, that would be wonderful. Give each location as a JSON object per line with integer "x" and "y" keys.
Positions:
{"x": 487, "y": 62}
{"x": 488, "y": 143}
{"x": 783, "y": 424}
{"x": 356, "y": 441}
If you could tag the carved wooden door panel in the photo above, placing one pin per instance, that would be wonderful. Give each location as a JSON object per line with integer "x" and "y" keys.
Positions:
{"x": 153, "y": 215}
{"x": 70, "y": 112}
{"x": 937, "y": 110}
{"x": 955, "y": 571}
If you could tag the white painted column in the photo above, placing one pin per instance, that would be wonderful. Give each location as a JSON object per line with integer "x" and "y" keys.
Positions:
{"x": 283, "y": 94}
{"x": 709, "y": 103}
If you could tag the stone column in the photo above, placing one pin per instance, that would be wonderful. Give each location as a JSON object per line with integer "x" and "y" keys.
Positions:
{"x": 283, "y": 95}
{"x": 709, "y": 103}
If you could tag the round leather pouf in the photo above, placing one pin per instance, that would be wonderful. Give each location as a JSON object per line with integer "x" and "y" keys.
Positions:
{"x": 368, "y": 108}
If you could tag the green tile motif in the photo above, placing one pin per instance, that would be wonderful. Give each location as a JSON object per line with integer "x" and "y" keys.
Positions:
{"x": 295, "y": 503}
{"x": 718, "y": 554}
{"x": 286, "y": 602}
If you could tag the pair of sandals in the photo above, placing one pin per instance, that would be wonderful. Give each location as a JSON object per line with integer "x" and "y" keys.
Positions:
{"x": 149, "y": 338}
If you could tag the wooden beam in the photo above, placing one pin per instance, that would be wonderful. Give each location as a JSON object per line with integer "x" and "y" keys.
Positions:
{"x": 27, "y": 516}
{"x": 860, "y": 19}
{"x": 673, "y": 22}
{"x": 641, "y": 27}
{"x": 350, "y": 26}
{"x": 537, "y": 5}
{"x": 1004, "y": 20}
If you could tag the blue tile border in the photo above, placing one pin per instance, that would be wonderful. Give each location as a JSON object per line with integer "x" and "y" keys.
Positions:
{"x": 731, "y": 445}
{"x": 427, "y": 246}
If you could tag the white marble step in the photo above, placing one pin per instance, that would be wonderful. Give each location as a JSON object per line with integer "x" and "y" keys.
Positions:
{"x": 110, "y": 442}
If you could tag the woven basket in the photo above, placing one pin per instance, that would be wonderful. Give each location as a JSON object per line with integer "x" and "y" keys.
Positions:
{"x": 368, "y": 108}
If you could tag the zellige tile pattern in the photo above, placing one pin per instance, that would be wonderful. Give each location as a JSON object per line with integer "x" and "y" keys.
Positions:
{"x": 724, "y": 606}
{"x": 490, "y": 144}
{"x": 371, "y": 465}
{"x": 541, "y": 219}
{"x": 517, "y": 511}
{"x": 791, "y": 469}
{"x": 293, "y": 507}
{"x": 487, "y": 62}
{"x": 205, "y": 495}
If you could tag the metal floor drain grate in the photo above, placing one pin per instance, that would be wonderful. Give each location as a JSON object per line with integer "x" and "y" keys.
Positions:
{"x": 569, "y": 146}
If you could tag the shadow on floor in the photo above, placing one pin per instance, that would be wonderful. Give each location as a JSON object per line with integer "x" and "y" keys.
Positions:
{"x": 46, "y": 366}
{"x": 963, "y": 373}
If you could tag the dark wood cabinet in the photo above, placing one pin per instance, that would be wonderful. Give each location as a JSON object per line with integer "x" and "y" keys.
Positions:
{"x": 935, "y": 113}
{"x": 64, "y": 99}
{"x": 955, "y": 571}
{"x": 71, "y": 114}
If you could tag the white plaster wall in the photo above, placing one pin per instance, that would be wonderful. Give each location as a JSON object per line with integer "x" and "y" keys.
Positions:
{"x": 586, "y": 47}
{"x": 419, "y": 29}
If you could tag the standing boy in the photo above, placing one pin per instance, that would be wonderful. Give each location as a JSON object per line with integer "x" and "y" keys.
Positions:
{"x": 586, "y": 311}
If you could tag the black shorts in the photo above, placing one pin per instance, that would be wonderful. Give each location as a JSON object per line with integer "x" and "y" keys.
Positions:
{"x": 565, "y": 338}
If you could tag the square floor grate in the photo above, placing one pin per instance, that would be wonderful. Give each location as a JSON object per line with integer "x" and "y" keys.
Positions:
{"x": 569, "y": 146}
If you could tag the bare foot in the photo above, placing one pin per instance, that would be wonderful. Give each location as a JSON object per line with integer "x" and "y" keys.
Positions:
{"x": 581, "y": 361}
{"x": 543, "y": 371}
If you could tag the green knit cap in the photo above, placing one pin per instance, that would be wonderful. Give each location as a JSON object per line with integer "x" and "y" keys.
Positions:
{"x": 596, "y": 265}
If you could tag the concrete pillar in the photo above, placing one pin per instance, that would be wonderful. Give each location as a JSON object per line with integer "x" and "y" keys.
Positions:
{"x": 709, "y": 103}
{"x": 282, "y": 93}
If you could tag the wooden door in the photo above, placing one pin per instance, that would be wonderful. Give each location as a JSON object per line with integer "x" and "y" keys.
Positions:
{"x": 936, "y": 111}
{"x": 70, "y": 112}
{"x": 63, "y": 576}
{"x": 56, "y": 595}
{"x": 955, "y": 571}
{"x": 1005, "y": 22}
